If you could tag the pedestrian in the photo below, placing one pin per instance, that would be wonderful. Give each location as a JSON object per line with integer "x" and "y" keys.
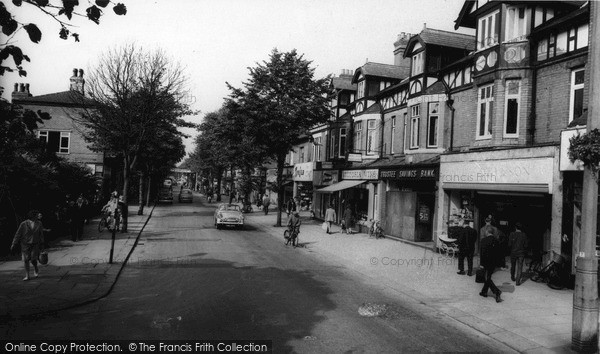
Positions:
{"x": 503, "y": 242}
{"x": 266, "y": 202}
{"x": 330, "y": 217}
{"x": 232, "y": 197}
{"x": 348, "y": 219}
{"x": 30, "y": 235}
{"x": 291, "y": 206}
{"x": 79, "y": 213}
{"x": 517, "y": 242}
{"x": 490, "y": 252}
{"x": 467, "y": 236}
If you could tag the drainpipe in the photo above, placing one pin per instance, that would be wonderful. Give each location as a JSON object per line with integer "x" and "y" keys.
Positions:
{"x": 450, "y": 104}
{"x": 533, "y": 115}
{"x": 381, "y": 152}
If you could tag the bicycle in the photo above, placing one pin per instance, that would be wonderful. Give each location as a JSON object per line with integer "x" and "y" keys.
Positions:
{"x": 551, "y": 273}
{"x": 293, "y": 238}
{"x": 103, "y": 224}
{"x": 376, "y": 229}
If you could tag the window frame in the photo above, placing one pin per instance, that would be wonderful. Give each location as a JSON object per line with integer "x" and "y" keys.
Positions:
{"x": 415, "y": 117}
{"x": 62, "y": 149}
{"x": 342, "y": 142}
{"x": 417, "y": 58}
{"x": 488, "y": 112}
{"x": 509, "y": 96}
{"x": 573, "y": 89}
{"x": 431, "y": 116}
{"x": 371, "y": 140}
{"x": 482, "y": 36}
{"x": 393, "y": 121}
{"x": 358, "y": 136}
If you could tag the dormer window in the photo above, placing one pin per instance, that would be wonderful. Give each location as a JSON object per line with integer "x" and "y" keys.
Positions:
{"x": 360, "y": 93}
{"x": 417, "y": 64}
{"x": 487, "y": 30}
{"x": 516, "y": 23}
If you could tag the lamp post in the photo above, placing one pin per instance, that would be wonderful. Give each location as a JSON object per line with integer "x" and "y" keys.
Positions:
{"x": 585, "y": 297}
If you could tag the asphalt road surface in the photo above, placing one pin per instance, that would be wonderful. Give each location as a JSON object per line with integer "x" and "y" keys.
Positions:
{"x": 187, "y": 280}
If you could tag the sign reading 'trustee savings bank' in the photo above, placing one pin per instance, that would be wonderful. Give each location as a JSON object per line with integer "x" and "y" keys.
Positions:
{"x": 416, "y": 173}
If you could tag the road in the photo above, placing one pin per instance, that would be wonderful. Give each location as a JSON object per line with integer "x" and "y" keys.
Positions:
{"x": 187, "y": 280}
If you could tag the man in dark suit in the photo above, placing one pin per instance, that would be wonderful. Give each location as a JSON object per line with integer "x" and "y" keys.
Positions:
{"x": 467, "y": 236}
{"x": 490, "y": 254}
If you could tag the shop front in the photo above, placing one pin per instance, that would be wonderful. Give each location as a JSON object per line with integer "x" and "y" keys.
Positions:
{"x": 410, "y": 201}
{"x": 510, "y": 185}
{"x": 322, "y": 179}
{"x": 303, "y": 184}
{"x": 357, "y": 190}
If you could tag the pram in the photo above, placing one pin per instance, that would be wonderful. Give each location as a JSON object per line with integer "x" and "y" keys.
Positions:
{"x": 447, "y": 245}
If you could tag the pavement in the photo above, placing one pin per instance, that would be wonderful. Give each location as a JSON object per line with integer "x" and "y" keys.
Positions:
{"x": 77, "y": 273}
{"x": 532, "y": 318}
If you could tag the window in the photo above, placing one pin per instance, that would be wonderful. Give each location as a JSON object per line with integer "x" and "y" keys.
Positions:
{"x": 317, "y": 148}
{"x": 57, "y": 142}
{"x": 487, "y": 30}
{"x": 485, "y": 110}
{"x": 332, "y": 146}
{"x": 342, "y": 142}
{"x": 301, "y": 155}
{"x": 360, "y": 93}
{"x": 371, "y": 140}
{"x": 417, "y": 64}
{"x": 542, "y": 50}
{"x": 576, "y": 103}
{"x": 404, "y": 139}
{"x": 511, "y": 114}
{"x": 516, "y": 23}
{"x": 432, "y": 124}
{"x": 415, "y": 113}
{"x": 551, "y": 46}
{"x": 358, "y": 136}
{"x": 393, "y": 134}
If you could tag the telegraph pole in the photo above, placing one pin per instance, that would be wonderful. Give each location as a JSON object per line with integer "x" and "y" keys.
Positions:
{"x": 585, "y": 297}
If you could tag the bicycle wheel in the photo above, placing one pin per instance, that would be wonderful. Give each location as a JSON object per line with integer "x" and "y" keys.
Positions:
{"x": 286, "y": 237}
{"x": 101, "y": 225}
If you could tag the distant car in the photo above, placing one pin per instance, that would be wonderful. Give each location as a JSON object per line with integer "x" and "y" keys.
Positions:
{"x": 165, "y": 195}
{"x": 229, "y": 215}
{"x": 186, "y": 196}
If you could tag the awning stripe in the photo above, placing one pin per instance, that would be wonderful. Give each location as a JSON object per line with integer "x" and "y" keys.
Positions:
{"x": 348, "y": 183}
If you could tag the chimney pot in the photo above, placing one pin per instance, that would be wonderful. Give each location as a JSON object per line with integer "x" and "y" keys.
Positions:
{"x": 16, "y": 87}
{"x": 75, "y": 72}
{"x": 80, "y": 72}
{"x": 21, "y": 87}
{"x": 27, "y": 88}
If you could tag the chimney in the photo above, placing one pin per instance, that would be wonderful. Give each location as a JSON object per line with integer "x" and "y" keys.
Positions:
{"x": 77, "y": 81}
{"x": 21, "y": 91}
{"x": 399, "y": 47}
{"x": 346, "y": 73}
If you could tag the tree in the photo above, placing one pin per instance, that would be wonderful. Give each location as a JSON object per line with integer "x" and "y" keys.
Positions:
{"x": 53, "y": 9}
{"x": 281, "y": 101}
{"x": 136, "y": 93}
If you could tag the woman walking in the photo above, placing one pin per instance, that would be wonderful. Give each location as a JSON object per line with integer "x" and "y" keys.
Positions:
{"x": 30, "y": 235}
{"x": 348, "y": 219}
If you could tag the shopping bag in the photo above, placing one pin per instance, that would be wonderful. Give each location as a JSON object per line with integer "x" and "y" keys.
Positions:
{"x": 480, "y": 275}
{"x": 43, "y": 257}
{"x": 324, "y": 226}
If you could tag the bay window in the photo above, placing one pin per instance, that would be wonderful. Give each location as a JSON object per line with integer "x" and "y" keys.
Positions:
{"x": 415, "y": 115}
{"x": 485, "y": 110}
{"x": 512, "y": 103}
{"x": 487, "y": 30}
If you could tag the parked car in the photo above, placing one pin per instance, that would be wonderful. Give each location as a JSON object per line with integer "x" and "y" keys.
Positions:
{"x": 185, "y": 195}
{"x": 165, "y": 195}
{"x": 229, "y": 215}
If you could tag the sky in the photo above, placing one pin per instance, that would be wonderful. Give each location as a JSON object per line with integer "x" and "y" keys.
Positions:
{"x": 217, "y": 41}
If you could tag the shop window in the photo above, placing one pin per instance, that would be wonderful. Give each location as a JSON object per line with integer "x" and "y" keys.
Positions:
{"x": 485, "y": 110}
{"x": 576, "y": 102}
{"x": 57, "y": 142}
{"x": 371, "y": 140}
{"x": 512, "y": 102}
{"x": 432, "y": 124}
{"x": 487, "y": 30}
{"x": 342, "y": 142}
{"x": 415, "y": 115}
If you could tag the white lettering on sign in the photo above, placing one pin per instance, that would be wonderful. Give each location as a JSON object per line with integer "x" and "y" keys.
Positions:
{"x": 360, "y": 174}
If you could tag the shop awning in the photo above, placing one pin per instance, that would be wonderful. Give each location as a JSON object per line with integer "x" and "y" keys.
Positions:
{"x": 348, "y": 183}
{"x": 501, "y": 187}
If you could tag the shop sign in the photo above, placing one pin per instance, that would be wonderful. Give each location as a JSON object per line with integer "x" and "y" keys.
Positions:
{"x": 565, "y": 162}
{"x": 360, "y": 174}
{"x": 325, "y": 178}
{"x": 303, "y": 172}
{"x": 417, "y": 173}
{"x": 515, "y": 171}
{"x": 352, "y": 157}
{"x": 424, "y": 213}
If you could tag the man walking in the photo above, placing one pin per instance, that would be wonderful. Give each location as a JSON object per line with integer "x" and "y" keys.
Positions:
{"x": 517, "y": 242}
{"x": 490, "y": 253}
{"x": 266, "y": 202}
{"x": 329, "y": 217}
{"x": 466, "y": 247}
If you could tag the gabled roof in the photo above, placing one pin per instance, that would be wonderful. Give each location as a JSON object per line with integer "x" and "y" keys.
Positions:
{"x": 65, "y": 98}
{"x": 581, "y": 14}
{"x": 443, "y": 39}
{"x": 381, "y": 70}
{"x": 343, "y": 83}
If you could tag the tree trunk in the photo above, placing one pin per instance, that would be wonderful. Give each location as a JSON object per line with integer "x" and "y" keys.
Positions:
{"x": 219, "y": 177}
{"x": 125, "y": 211}
{"x": 141, "y": 194}
{"x": 280, "y": 164}
{"x": 148, "y": 188}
